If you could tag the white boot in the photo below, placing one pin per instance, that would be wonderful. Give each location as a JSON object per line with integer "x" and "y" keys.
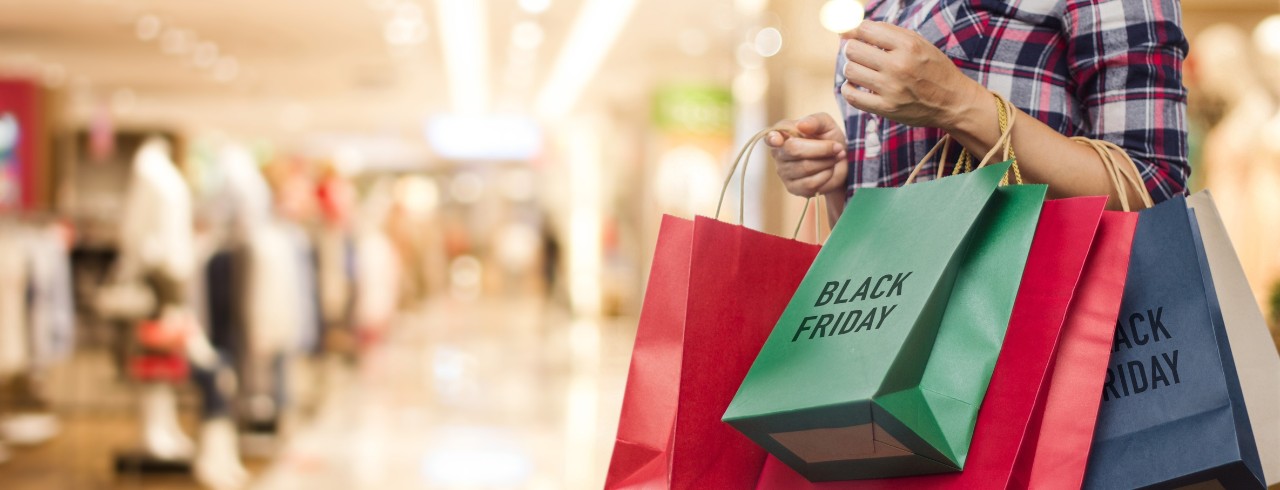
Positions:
{"x": 218, "y": 466}
{"x": 30, "y": 429}
{"x": 162, "y": 435}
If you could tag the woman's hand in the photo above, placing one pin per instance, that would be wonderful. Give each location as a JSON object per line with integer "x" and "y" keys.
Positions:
{"x": 895, "y": 73}
{"x": 810, "y": 155}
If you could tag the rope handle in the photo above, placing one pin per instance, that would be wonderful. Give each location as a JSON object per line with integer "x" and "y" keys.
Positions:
{"x": 1120, "y": 173}
{"x": 743, "y": 158}
{"x": 817, "y": 222}
{"x": 1005, "y": 111}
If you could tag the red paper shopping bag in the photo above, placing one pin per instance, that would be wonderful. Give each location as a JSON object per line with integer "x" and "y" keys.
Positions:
{"x": 1063, "y": 239}
{"x": 1056, "y": 449}
{"x": 714, "y": 294}
{"x": 649, "y": 405}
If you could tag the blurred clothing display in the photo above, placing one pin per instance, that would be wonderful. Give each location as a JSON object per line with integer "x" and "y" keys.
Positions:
{"x": 156, "y": 230}
{"x": 14, "y": 355}
{"x": 37, "y": 317}
{"x": 52, "y": 307}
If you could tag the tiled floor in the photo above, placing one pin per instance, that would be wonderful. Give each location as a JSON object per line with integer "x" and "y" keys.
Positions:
{"x": 493, "y": 394}
{"x": 498, "y": 394}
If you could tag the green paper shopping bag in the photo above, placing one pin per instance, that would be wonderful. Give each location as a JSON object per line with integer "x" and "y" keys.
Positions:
{"x": 858, "y": 378}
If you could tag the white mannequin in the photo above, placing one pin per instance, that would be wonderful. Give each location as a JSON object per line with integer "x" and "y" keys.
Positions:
{"x": 158, "y": 234}
{"x": 378, "y": 274}
{"x": 271, "y": 301}
{"x": 1234, "y": 148}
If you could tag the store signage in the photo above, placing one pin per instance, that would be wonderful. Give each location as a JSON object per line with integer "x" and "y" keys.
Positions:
{"x": 698, "y": 109}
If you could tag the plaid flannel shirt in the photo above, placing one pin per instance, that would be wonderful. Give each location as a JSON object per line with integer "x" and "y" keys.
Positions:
{"x": 1106, "y": 69}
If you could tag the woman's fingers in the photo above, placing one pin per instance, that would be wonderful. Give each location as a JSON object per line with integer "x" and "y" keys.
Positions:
{"x": 864, "y": 54}
{"x": 863, "y": 100}
{"x": 877, "y": 34}
{"x": 800, "y": 169}
{"x": 862, "y": 76}
{"x": 809, "y": 152}
{"x": 796, "y": 148}
{"x": 824, "y": 181}
{"x": 818, "y": 126}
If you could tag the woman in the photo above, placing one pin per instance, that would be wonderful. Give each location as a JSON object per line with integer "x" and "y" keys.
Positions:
{"x": 1105, "y": 69}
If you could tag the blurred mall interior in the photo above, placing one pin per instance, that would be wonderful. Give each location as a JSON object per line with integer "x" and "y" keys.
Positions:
{"x": 421, "y": 228}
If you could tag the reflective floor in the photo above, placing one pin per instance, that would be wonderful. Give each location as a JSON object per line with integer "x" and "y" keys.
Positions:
{"x": 495, "y": 394}
{"x": 489, "y": 394}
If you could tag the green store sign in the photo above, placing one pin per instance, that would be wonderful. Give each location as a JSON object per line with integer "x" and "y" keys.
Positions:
{"x": 700, "y": 109}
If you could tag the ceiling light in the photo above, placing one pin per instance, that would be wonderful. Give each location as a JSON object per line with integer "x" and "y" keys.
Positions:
{"x": 1267, "y": 36}
{"x": 750, "y": 8}
{"x": 840, "y": 16}
{"x": 206, "y": 54}
{"x": 176, "y": 41}
{"x": 592, "y": 35}
{"x": 527, "y": 35}
{"x": 768, "y": 42}
{"x": 147, "y": 27}
{"x": 465, "y": 40}
{"x": 534, "y": 6}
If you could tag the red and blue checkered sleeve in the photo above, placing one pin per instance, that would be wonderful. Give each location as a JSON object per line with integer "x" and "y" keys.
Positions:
{"x": 1126, "y": 65}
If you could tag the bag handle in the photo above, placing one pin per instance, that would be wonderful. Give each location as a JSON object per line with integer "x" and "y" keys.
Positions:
{"x": 1005, "y": 111}
{"x": 817, "y": 223}
{"x": 1120, "y": 173}
{"x": 743, "y": 158}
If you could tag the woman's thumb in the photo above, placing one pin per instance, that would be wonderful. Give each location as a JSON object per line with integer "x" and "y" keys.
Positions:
{"x": 814, "y": 125}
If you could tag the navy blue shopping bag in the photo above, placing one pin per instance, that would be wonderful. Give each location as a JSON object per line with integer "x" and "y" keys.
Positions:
{"x": 1172, "y": 412}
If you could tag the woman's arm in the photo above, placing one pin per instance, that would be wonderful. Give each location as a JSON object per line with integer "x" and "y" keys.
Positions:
{"x": 895, "y": 73}
{"x": 1042, "y": 152}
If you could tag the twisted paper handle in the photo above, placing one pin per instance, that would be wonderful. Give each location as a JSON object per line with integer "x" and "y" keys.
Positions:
{"x": 743, "y": 158}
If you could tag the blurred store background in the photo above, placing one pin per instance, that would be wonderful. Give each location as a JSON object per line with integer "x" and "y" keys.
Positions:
{"x": 403, "y": 243}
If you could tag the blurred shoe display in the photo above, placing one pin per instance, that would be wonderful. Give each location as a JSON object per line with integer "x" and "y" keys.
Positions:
{"x": 29, "y": 429}
{"x": 218, "y": 466}
{"x": 162, "y": 435}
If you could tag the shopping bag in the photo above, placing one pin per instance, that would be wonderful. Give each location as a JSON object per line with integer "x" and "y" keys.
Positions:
{"x": 1256, "y": 360}
{"x": 1172, "y": 411}
{"x": 649, "y": 403}
{"x": 838, "y": 391}
{"x": 714, "y": 293}
{"x": 1056, "y": 446}
{"x": 1057, "y": 256}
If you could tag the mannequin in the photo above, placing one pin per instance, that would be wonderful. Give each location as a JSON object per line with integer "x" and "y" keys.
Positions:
{"x": 378, "y": 275}
{"x": 49, "y": 328}
{"x": 261, "y": 291}
{"x": 1235, "y": 149}
{"x": 157, "y": 245}
{"x": 156, "y": 238}
{"x": 335, "y": 260}
{"x": 282, "y": 305}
